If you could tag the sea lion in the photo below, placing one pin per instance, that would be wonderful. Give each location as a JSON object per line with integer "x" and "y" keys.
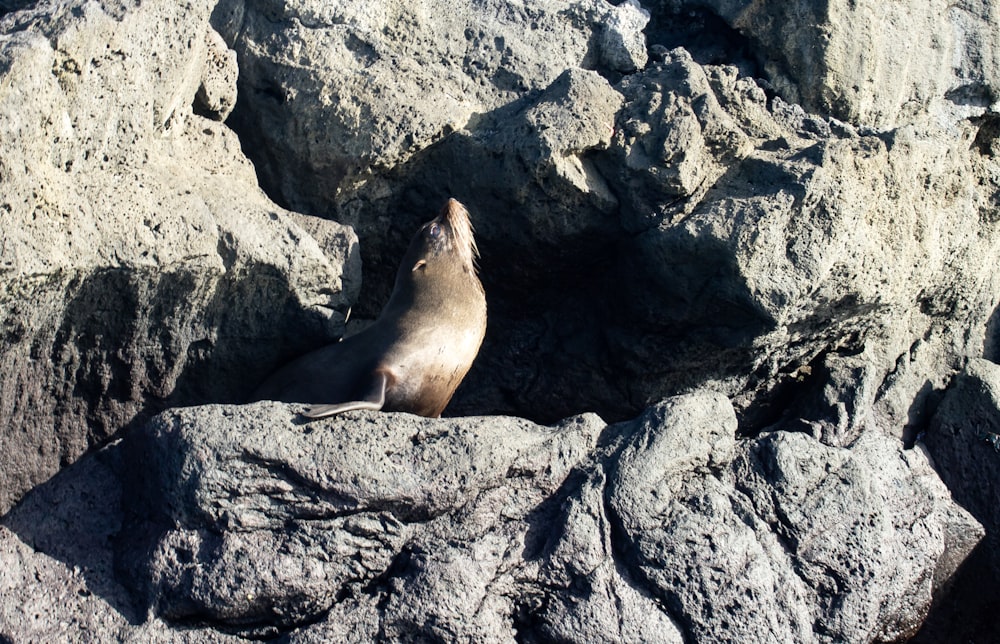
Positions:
{"x": 421, "y": 346}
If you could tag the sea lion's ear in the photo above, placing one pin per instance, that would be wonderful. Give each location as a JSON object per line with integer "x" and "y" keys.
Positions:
{"x": 420, "y": 264}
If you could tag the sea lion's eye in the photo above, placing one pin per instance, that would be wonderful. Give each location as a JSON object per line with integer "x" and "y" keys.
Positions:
{"x": 434, "y": 231}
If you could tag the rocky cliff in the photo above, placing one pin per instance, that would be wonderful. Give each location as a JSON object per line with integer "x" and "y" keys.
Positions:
{"x": 739, "y": 380}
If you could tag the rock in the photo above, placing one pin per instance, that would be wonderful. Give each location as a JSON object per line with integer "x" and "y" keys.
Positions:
{"x": 217, "y": 92}
{"x": 367, "y": 86}
{"x": 874, "y": 541}
{"x": 677, "y": 221}
{"x": 371, "y": 91}
{"x": 139, "y": 259}
{"x": 544, "y": 144}
{"x": 490, "y": 529}
{"x": 673, "y": 139}
{"x": 274, "y": 523}
{"x": 964, "y": 440}
{"x": 766, "y": 241}
{"x": 782, "y": 535}
{"x": 623, "y": 47}
{"x": 794, "y": 209}
{"x": 865, "y": 62}
{"x": 591, "y": 598}
{"x": 376, "y": 526}
{"x": 841, "y": 400}
{"x": 57, "y": 579}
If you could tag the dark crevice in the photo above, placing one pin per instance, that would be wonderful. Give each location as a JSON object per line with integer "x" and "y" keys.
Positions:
{"x": 792, "y": 383}
{"x": 705, "y": 35}
{"x": 527, "y": 619}
{"x": 624, "y": 555}
{"x": 987, "y": 141}
{"x": 991, "y": 342}
{"x": 10, "y": 6}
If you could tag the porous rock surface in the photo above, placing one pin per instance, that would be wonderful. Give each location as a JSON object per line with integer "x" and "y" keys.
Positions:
{"x": 392, "y": 527}
{"x": 964, "y": 440}
{"x": 140, "y": 260}
{"x": 790, "y": 211}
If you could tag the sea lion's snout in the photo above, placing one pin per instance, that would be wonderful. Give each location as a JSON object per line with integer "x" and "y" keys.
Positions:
{"x": 456, "y": 217}
{"x": 453, "y": 211}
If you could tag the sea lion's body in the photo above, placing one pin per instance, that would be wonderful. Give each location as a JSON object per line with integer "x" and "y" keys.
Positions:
{"x": 418, "y": 351}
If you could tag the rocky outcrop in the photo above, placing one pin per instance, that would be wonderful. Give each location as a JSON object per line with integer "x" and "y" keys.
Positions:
{"x": 140, "y": 261}
{"x": 793, "y": 208}
{"x": 865, "y": 62}
{"x": 388, "y": 526}
{"x": 707, "y": 230}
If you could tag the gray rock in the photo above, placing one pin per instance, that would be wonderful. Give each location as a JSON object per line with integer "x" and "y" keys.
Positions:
{"x": 871, "y": 530}
{"x": 57, "y": 579}
{"x": 274, "y": 522}
{"x": 623, "y": 47}
{"x": 544, "y": 145}
{"x": 815, "y": 237}
{"x": 964, "y": 440}
{"x": 866, "y": 62}
{"x": 802, "y": 249}
{"x": 367, "y": 86}
{"x": 731, "y": 237}
{"x": 388, "y": 527}
{"x": 672, "y": 139}
{"x": 139, "y": 259}
{"x": 591, "y": 596}
{"x": 217, "y": 92}
{"x": 782, "y": 538}
{"x": 492, "y": 529}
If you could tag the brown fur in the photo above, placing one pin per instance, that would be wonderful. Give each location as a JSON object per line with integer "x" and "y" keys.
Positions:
{"x": 418, "y": 351}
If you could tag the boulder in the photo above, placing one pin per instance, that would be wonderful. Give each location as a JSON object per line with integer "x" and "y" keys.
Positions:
{"x": 782, "y": 537}
{"x": 492, "y": 529}
{"x": 865, "y": 62}
{"x": 271, "y": 524}
{"x": 139, "y": 260}
{"x": 964, "y": 440}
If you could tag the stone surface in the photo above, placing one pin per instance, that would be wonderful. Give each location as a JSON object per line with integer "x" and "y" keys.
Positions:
{"x": 57, "y": 581}
{"x": 782, "y": 537}
{"x": 140, "y": 261}
{"x": 964, "y": 440}
{"x": 795, "y": 207}
{"x": 864, "y": 61}
{"x": 389, "y": 526}
{"x": 276, "y": 522}
{"x": 705, "y": 231}
{"x": 217, "y": 92}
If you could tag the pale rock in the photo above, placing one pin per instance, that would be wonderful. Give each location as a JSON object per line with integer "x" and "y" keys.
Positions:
{"x": 140, "y": 261}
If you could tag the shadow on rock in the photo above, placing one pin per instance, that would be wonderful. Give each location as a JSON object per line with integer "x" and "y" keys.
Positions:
{"x": 74, "y": 518}
{"x": 991, "y": 344}
{"x": 964, "y": 439}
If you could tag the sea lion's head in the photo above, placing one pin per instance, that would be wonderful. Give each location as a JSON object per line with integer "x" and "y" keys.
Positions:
{"x": 444, "y": 243}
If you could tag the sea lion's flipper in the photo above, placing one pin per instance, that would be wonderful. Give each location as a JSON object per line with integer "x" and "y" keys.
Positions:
{"x": 373, "y": 400}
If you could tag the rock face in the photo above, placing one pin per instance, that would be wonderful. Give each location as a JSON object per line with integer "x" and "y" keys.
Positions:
{"x": 139, "y": 259}
{"x": 389, "y": 526}
{"x": 795, "y": 208}
{"x": 863, "y": 61}
{"x": 964, "y": 441}
{"x": 680, "y": 223}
